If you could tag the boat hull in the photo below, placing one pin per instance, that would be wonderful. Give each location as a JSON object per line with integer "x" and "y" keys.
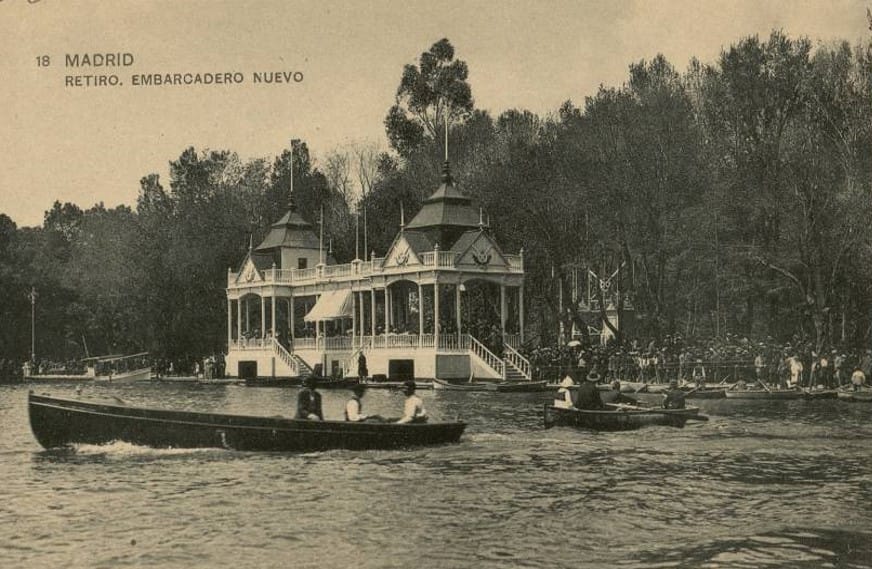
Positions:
{"x": 441, "y": 384}
{"x": 63, "y": 422}
{"x": 779, "y": 394}
{"x": 126, "y": 377}
{"x": 320, "y": 382}
{"x": 618, "y": 419}
{"x": 856, "y": 396}
{"x": 523, "y": 387}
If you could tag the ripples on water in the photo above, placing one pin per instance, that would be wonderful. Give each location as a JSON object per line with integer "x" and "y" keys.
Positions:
{"x": 763, "y": 484}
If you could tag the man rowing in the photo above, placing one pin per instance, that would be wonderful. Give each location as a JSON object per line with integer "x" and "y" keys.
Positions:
{"x": 413, "y": 408}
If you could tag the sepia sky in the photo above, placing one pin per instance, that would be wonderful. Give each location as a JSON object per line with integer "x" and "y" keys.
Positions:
{"x": 87, "y": 145}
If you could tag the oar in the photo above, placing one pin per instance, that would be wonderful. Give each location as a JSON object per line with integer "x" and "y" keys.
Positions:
{"x": 760, "y": 381}
{"x": 702, "y": 418}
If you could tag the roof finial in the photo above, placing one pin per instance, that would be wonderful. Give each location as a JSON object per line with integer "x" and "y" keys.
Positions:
{"x": 446, "y": 168}
{"x": 250, "y": 242}
{"x": 402, "y": 217}
{"x": 480, "y": 220}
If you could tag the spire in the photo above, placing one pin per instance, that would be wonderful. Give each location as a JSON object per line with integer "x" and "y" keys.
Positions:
{"x": 446, "y": 167}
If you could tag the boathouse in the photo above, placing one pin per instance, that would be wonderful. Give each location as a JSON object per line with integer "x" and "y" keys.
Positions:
{"x": 444, "y": 301}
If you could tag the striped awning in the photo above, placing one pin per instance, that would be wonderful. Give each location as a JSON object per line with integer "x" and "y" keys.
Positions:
{"x": 331, "y": 305}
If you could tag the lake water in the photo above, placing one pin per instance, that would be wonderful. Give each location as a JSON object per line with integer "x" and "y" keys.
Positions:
{"x": 763, "y": 484}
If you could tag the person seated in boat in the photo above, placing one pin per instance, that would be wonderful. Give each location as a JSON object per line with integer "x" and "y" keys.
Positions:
{"x": 588, "y": 396}
{"x": 564, "y": 395}
{"x": 354, "y": 407}
{"x": 413, "y": 409}
{"x": 698, "y": 374}
{"x": 858, "y": 378}
{"x": 617, "y": 397}
{"x": 674, "y": 397}
{"x": 309, "y": 401}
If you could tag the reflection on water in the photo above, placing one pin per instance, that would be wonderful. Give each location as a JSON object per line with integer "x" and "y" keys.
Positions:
{"x": 763, "y": 484}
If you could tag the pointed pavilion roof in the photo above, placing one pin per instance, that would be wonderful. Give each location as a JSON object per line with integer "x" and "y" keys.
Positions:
{"x": 447, "y": 208}
{"x": 290, "y": 231}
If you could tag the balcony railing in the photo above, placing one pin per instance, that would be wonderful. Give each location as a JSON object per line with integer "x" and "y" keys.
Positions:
{"x": 443, "y": 260}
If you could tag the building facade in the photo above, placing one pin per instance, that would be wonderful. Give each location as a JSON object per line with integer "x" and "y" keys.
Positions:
{"x": 445, "y": 301}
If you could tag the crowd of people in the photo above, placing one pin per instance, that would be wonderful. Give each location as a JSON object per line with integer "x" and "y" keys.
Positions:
{"x": 726, "y": 358}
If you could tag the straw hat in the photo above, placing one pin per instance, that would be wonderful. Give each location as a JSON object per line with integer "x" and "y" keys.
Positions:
{"x": 567, "y": 382}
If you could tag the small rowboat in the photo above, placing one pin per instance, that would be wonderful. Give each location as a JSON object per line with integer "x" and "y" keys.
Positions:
{"x": 779, "y": 394}
{"x": 320, "y": 382}
{"x": 523, "y": 387}
{"x": 620, "y": 417}
{"x": 857, "y": 396}
{"x": 441, "y": 384}
{"x": 64, "y": 422}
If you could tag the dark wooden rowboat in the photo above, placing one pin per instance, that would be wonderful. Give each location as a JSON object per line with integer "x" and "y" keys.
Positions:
{"x": 64, "y": 422}
{"x": 779, "y": 394}
{"x": 523, "y": 387}
{"x": 441, "y": 384}
{"x": 864, "y": 396}
{"x": 320, "y": 382}
{"x": 619, "y": 417}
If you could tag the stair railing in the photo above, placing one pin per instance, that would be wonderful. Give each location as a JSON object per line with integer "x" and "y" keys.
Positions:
{"x": 487, "y": 356}
{"x": 518, "y": 361}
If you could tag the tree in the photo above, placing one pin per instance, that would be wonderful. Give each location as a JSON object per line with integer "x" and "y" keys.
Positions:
{"x": 429, "y": 94}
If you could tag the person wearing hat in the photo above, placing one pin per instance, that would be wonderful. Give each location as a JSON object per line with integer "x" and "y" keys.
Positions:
{"x": 354, "y": 406}
{"x": 588, "y": 393}
{"x": 413, "y": 409}
{"x": 564, "y": 395}
{"x": 674, "y": 397}
{"x": 309, "y": 401}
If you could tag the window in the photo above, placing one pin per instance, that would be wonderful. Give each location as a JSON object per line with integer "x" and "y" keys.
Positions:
{"x": 302, "y": 263}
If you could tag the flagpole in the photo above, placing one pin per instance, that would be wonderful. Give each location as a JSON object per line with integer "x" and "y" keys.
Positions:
{"x": 32, "y": 296}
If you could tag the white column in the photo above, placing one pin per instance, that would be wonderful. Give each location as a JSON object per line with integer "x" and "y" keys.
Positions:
{"x": 229, "y": 323}
{"x": 262, "y": 317}
{"x": 238, "y": 319}
{"x": 436, "y": 314}
{"x": 503, "y": 310}
{"x": 420, "y": 312}
{"x": 388, "y": 309}
{"x": 362, "y": 306}
{"x": 457, "y": 306}
{"x": 248, "y": 315}
{"x": 521, "y": 311}
{"x": 272, "y": 306}
{"x": 291, "y": 315}
{"x": 354, "y": 298}
{"x": 372, "y": 310}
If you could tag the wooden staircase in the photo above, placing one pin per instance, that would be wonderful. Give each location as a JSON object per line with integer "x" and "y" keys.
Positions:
{"x": 297, "y": 365}
{"x": 516, "y": 366}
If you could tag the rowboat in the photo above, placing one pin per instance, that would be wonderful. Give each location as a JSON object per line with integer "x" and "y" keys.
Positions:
{"x": 779, "y": 394}
{"x": 320, "y": 382}
{"x": 441, "y": 384}
{"x": 523, "y": 387}
{"x": 619, "y": 417}
{"x": 395, "y": 384}
{"x": 857, "y": 396}
{"x": 63, "y": 422}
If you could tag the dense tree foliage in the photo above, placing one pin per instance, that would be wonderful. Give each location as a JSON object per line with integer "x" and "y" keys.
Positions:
{"x": 732, "y": 197}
